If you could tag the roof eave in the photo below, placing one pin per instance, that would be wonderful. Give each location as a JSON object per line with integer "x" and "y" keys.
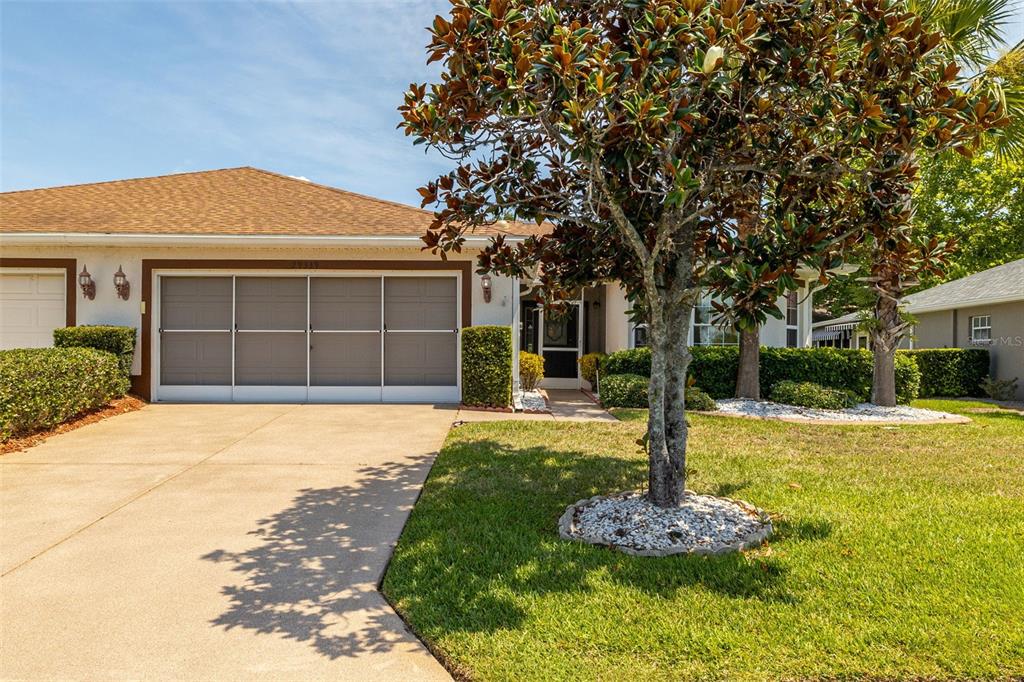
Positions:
{"x": 118, "y": 239}
{"x": 946, "y": 305}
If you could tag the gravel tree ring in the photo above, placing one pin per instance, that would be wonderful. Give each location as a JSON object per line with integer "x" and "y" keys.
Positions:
{"x": 702, "y": 524}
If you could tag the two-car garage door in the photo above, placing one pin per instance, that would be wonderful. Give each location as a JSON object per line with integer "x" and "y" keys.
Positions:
{"x": 316, "y": 338}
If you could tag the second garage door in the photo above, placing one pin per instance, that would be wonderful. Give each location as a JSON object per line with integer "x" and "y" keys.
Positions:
{"x": 317, "y": 338}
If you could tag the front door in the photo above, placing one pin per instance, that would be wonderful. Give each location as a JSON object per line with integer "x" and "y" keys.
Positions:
{"x": 560, "y": 336}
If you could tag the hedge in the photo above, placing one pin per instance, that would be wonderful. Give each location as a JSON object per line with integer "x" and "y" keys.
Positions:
{"x": 952, "y": 372}
{"x": 715, "y": 368}
{"x": 630, "y": 390}
{"x": 487, "y": 366}
{"x": 808, "y": 394}
{"x": 43, "y": 387}
{"x": 117, "y": 340}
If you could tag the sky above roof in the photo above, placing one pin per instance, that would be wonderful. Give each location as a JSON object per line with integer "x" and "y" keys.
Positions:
{"x": 95, "y": 91}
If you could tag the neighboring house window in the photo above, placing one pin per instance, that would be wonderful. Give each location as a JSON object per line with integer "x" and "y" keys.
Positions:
{"x": 640, "y": 336}
{"x": 707, "y": 333}
{"x": 792, "y": 329}
{"x": 981, "y": 329}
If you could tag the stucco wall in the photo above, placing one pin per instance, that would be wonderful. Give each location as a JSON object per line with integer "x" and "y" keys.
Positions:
{"x": 935, "y": 330}
{"x": 107, "y": 308}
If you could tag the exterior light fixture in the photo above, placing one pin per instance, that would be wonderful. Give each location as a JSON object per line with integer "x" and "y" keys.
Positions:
{"x": 87, "y": 285}
{"x": 121, "y": 284}
{"x": 485, "y": 285}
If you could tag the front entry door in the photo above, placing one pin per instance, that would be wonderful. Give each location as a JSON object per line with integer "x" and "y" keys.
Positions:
{"x": 560, "y": 346}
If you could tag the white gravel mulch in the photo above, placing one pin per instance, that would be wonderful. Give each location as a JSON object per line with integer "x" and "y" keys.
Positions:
{"x": 703, "y": 524}
{"x": 531, "y": 401}
{"x": 864, "y": 413}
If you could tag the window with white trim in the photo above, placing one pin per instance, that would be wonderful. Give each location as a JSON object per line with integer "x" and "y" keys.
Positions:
{"x": 981, "y": 329}
{"x": 792, "y": 317}
{"x": 706, "y": 332}
{"x": 640, "y": 336}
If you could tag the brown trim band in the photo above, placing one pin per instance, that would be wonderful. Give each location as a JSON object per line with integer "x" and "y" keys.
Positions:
{"x": 144, "y": 385}
{"x": 70, "y": 267}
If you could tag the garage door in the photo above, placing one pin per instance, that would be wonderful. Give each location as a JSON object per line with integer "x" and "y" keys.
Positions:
{"x": 31, "y": 306}
{"x": 316, "y": 338}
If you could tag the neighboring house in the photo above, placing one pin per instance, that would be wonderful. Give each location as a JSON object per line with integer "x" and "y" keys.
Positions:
{"x": 840, "y": 332}
{"x": 985, "y": 309}
{"x": 248, "y": 285}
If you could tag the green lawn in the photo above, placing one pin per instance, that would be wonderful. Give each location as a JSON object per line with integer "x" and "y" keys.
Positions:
{"x": 899, "y": 552}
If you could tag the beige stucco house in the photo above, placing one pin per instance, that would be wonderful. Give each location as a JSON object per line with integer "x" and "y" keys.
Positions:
{"x": 985, "y": 309}
{"x": 253, "y": 286}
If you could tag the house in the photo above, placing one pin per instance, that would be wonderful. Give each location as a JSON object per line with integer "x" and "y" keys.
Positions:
{"x": 984, "y": 309}
{"x": 840, "y": 332}
{"x": 248, "y": 285}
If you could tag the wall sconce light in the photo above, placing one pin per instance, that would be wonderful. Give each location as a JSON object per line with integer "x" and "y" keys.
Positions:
{"x": 85, "y": 282}
{"x": 121, "y": 284}
{"x": 485, "y": 285}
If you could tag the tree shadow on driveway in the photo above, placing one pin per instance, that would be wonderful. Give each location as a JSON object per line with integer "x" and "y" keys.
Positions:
{"x": 313, "y": 576}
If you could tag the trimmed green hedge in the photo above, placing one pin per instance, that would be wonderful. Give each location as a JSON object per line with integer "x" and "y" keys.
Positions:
{"x": 487, "y": 366}
{"x": 531, "y": 370}
{"x": 43, "y": 387}
{"x": 117, "y": 340}
{"x": 953, "y": 372}
{"x": 809, "y": 394}
{"x": 714, "y": 368}
{"x": 624, "y": 390}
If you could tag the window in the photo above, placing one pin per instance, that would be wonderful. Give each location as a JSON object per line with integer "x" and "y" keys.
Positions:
{"x": 981, "y": 329}
{"x": 792, "y": 329}
{"x": 706, "y": 332}
{"x": 640, "y": 336}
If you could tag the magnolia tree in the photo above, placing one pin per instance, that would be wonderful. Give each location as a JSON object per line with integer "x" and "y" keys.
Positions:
{"x": 637, "y": 129}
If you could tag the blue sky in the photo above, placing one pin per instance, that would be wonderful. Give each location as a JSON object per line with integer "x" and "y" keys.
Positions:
{"x": 97, "y": 91}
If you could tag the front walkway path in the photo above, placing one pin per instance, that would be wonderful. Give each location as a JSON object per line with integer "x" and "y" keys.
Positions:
{"x": 214, "y": 542}
{"x": 565, "y": 404}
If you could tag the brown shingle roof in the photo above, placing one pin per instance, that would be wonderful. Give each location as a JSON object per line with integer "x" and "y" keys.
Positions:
{"x": 233, "y": 201}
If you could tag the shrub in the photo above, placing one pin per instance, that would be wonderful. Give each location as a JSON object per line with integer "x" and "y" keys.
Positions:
{"x": 952, "y": 372}
{"x": 117, "y": 340}
{"x": 697, "y": 399}
{"x": 43, "y": 387}
{"x": 588, "y": 367}
{"x": 531, "y": 370}
{"x": 715, "y": 367}
{"x": 624, "y": 390}
{"x": 908, "y": 379}
{"x": 809, "y": 394}
{"x": 999, "y": 389}
{"x": 487, "y": 366}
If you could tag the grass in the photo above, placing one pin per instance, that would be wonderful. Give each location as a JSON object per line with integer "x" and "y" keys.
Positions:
{"x": 899, "y": 552}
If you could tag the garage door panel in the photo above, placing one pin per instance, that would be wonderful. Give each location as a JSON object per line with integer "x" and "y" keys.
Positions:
{"x": 351, "y": 359}
{"x": 31, "y": 306}
{"x": 195, "y": 359}
{"x": 420, "y": 359}
{"x": 270, "y": 303}
{"x": 344, "y": 303}
{"x": 420, "y": 303}
{"x": 270, "y": 359}
{"x": 195, "y": 303}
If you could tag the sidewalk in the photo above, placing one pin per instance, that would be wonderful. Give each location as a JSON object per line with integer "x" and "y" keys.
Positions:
{"x": 565, "y": 404}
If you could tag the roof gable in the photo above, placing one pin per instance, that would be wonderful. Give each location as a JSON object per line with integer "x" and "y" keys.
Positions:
{"x": 233, "y": 201}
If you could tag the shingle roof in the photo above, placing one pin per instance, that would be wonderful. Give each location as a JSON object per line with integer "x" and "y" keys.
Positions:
{"x": 999, "y": 284}
{"x": 232, "y": 201}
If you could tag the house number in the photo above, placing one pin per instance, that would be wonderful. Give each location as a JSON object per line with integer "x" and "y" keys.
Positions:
{"x": 306, "y": 264}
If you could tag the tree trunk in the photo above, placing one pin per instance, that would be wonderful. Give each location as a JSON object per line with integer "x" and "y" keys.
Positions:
{"x": 666, "y": 426}
{"x": 748, "y": 377}
{"x": 883, "y": 381}
{"x": 885, "y": 337}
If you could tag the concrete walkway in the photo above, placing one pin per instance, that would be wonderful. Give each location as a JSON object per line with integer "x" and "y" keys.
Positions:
{"x": 214, "y": 542}
{"x": 566, "y": 405}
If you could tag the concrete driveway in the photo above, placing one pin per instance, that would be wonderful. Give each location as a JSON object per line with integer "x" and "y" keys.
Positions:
{"x": 214, "y": 542}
